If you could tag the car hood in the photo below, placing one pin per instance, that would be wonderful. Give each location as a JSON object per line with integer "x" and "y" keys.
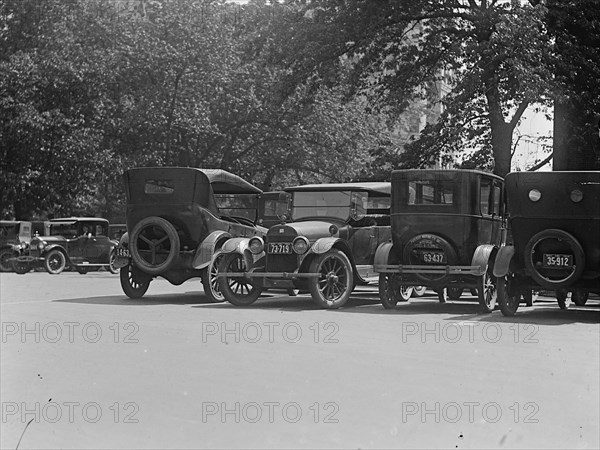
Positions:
{"x": 310, "y": 229}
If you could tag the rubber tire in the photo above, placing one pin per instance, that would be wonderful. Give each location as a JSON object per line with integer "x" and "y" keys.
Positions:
{"x": 389, "y": 290}
{"x": 81, "y": 270}
{"x": 132, "y": 287}
{"x": 171, "y": 234}
{"x": 111, "y": 260}
{"x": 487, "y": 293}
{"x": 442, "y": 295}
{"x": 229, "y": 286}
{"x": 578, "y": 256}
{"x": 507, "y": 301}
{"x": 322, "y": 264}
{"x": 454, "y": 293}
{"x": 419, "y": 291}
{"x": 59, "y": 257}
{"x": 580, "y": 297}
{"x": 21, "y": 267}
{"x": 564, "y": 298}
{"x": 210, "y": 282}
{"x": 473, "y": 292}
{"x": 5, "y": 255}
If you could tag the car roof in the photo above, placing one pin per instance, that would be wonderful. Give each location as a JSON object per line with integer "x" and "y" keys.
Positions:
{"x": 399, "y": 172}
{"x": 9, "y": 222}
{"x": 381, "y": 187}
{"x": 78, "y": 219}
{"x": 222, "y": 182}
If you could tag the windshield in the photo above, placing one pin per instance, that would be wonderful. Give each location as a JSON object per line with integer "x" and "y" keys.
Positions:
{"x": 237, "y": 205}
{"x": 322, "y": 204}
{"x": 65, "y": 229}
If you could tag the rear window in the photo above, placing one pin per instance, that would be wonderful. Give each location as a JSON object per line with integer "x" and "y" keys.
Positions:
{"x": 431, "y": 192}
{"x": 159, "y": 187}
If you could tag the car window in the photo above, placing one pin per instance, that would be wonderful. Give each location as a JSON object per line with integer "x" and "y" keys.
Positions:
{"x": 484, "y": 196}
{"x": 322, "y": 204}
{"x": 431, "y": 192}
{"x": 497, "y": 198}
{"x": 237, "y": 205}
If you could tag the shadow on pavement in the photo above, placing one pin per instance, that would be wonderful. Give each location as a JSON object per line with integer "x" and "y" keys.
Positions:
{"x": 188, "y": 298}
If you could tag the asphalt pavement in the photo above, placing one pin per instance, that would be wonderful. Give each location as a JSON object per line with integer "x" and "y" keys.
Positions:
{"x": 83, "y": 366}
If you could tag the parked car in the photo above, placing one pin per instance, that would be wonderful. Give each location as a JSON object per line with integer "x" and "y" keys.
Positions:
{"x": 327, "y": 249}
{"x": 81, "y": 243}
{"x": 15, "y": 236}
{"x": 178, "y": 219}
{"x": 554, "y": 218}
{"x": 446, "y": 230}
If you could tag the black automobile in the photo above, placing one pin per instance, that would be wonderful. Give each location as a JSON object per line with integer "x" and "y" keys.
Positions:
{"x": 81, "y": 243}
{"x": 554, "y": 219}
{"x": 327, "y": 248}
{"x": 15, "y": 236}
{"x": 446, "y": 229}
{"x": 178, "y": 219}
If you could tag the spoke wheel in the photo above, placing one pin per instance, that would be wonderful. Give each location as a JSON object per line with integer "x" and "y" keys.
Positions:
{"x": 389, "y": 290}
{"x": 111, "y": 261}
{"x": 21, "y": 267}
{"x": 419, "y": 291}
{"x": 406, "y": 293}
{"x": 508, "y": 297}
{"x": 332, "y": 288}
{"x": 210, "y": 282}
{"x": 564, "y": 298}
{"x": 486, "y": 291}
{"x": 55, "y": 262}
{"x": 239, "y": 291}
{"x": 5, "y": 255}
{"x": 133, "y": 285}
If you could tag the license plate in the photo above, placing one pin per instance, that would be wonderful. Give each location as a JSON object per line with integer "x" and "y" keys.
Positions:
{"x": 433, "y": 257}
{"x": 279, "y": 248}
{"x": 556, "y": 260}
{"x": 123, "y": 252}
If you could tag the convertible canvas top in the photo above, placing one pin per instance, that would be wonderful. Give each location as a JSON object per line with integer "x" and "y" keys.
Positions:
{"x": 183, "y": 182}
{"x": 78, "y": 219}
{"x": 415, "y": 174}
{"x": 380, "y": 187}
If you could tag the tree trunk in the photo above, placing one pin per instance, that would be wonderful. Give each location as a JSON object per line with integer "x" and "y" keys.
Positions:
{"x": 502, "y": 148}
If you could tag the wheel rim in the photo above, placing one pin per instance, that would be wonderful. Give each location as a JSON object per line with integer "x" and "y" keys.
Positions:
{"x": 135, "y": 285}
{"x": 55, "y": 262}
{"x": 406, "y": 292}
{"x": 238, "y": 285}
{"x": 489, "y": 291}
{"x": 213, "y": 280}
{"x": 153, "y": 245}
{"x": 333, "y": 279}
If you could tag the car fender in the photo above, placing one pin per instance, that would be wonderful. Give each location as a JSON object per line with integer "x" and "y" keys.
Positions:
{"x": 49, "y": 248}
{"x": 382, "y": 255}
{"x": 481, "y": 256}
{"x": 503, "y": 259}
{"x": 323, "y": 245}
{"x": 206, "y": 249}
{"x": 124, "y": 241}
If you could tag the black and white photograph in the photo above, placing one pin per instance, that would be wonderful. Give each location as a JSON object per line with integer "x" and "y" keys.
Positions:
{"x": 300, "y": 224}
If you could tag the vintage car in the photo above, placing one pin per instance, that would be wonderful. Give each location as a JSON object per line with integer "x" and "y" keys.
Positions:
{"x": 446, "y": 230}
{"x": 81, "y": 243}
{"x": 554, "y": 219}
{"x": 178, "y": 219}
{"x": 15, "y": 236}
{"x": 327, "y": 249}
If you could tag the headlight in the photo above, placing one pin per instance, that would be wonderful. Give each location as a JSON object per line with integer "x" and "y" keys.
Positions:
{"x": 300, "y": 245}
{"x": 256, "y": 245}
{"x": 41, "y": 245}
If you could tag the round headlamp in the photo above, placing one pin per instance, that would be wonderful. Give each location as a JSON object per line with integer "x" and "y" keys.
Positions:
{"x": 41, "y": 245}
{"x": 256, "y": 245}
{"x": 300, "y": 245}
{"x": 333, "y": 230}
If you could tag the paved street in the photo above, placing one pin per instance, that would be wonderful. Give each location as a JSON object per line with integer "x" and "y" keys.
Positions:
{"x": 83, "y": 366}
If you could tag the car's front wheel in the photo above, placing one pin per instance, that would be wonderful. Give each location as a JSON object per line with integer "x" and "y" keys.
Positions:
{"x": 133, "y": 285}
{"x": 55, "y": 262}
{"x": 21, "y": 267}
{"x": 580, "y": 297}
{"x": 5, "y": 255}
{"x": 210, "y": 282}
{"x": 389, "y": 290}
{"x": 332, "y": 288}
{"x": 239, "y": 290}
